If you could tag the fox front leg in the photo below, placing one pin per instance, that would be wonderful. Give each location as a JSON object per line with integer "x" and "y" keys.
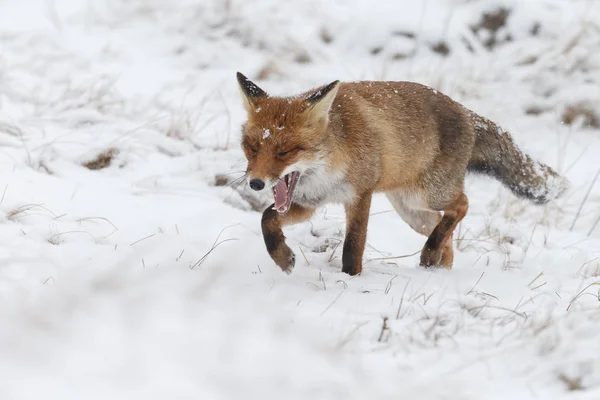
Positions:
{"x": 271, "y": 224}
{"x": 357, "y": 219}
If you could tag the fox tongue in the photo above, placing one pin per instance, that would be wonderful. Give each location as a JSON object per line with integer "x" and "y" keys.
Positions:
{"x": 281, "y": 193}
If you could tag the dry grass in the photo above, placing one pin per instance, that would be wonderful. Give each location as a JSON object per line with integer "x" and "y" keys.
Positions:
{"x": 536, "y": 110}
{"x": 215, "y": 244}
{"x": 102, "y": 160}
{"x": 56, "y": 239}
{"x": 572, "y": 383}
{"x": 583, "y": 113}
{"x": 98, "y": 93}
{"x": 441, "y": 48}
{"x": 11, "y": 129}
{"x": 492, "y": 22}
{"x": 24, "y": 210}
{"x": 583, "y": 292}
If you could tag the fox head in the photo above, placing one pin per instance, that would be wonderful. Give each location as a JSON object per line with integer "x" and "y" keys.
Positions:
{"x": 283, "y": 136}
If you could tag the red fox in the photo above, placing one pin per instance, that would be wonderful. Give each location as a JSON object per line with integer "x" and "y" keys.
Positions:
{"x": 342, "y": 142}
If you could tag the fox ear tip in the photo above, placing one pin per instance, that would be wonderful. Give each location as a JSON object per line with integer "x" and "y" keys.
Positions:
{"x": 333, "y": 84}
{"x": 323, "y": 92}
{"x": 250, "y": 90}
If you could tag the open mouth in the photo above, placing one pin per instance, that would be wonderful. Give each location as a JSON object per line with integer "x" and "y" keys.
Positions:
{"x": 283, "y": 191}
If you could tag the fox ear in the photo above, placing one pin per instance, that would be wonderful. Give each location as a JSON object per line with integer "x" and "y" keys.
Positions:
{"x": 320, "y": 101}
{"x": 250, "y": 92}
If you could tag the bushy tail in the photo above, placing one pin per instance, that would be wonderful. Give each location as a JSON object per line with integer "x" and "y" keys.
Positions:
{"x": 496, "y": 155}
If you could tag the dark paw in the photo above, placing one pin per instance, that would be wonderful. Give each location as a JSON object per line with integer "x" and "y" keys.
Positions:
{"x": 431, "y": 258}
{"x": 286, "y": 259}
{"x": 351, "y": 270}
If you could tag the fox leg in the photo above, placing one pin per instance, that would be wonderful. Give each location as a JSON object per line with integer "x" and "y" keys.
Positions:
{"x": 423, "y": 222}
{"x": 271, "y": 225}
{"x": 357, "y": 219}
{"x": 440, "y": 239}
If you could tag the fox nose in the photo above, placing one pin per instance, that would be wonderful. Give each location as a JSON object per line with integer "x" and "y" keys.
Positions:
{"x": 257, "y": 184}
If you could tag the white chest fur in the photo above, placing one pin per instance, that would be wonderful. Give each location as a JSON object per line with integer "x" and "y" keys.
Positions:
{"x": 317, "y": 187}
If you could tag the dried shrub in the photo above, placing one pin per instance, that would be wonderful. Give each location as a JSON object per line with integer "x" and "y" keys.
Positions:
{"x": 406, "y": 34}
{"x": 584, "y": 112}
{"x": 221, "y": 180}
{"x": 441, "y": 48}
{"x": 492, "y": 22}
{"x": 535, "y": 110}
{"x": 572, "y": 383}
{"x": 326, "y": 36}
{"x": 102, "y": 160}
{"x": 400, "y": 56}
{"x": 302, "y": 57}
{"x": 376, "y": 50}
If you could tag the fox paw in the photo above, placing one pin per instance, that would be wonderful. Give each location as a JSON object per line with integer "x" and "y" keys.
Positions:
{"x": 431, "y": 258}
{"x": 285, "y": 259}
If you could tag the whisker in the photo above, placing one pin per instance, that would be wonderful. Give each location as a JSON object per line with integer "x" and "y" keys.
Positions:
{"x": 241, "y": 161}
{"x": 232, "y": 172}
{"x": 234, "y": 184}
{"x": 238, "y": 184}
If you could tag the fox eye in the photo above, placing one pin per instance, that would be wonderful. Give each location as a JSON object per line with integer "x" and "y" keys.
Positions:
{"x": 282, "y": 154}
{"x": 251, "y": 148}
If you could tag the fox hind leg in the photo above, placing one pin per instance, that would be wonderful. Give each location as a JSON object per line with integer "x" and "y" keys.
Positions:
{"x": 423, "y": 222}
{"x": 440, "y": 240}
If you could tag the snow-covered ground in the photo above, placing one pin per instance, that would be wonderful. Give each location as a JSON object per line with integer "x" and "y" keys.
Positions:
{"x": 132, "y": 265}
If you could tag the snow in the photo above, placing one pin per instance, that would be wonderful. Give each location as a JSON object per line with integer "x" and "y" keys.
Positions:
{"x": 148, "y": 279}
